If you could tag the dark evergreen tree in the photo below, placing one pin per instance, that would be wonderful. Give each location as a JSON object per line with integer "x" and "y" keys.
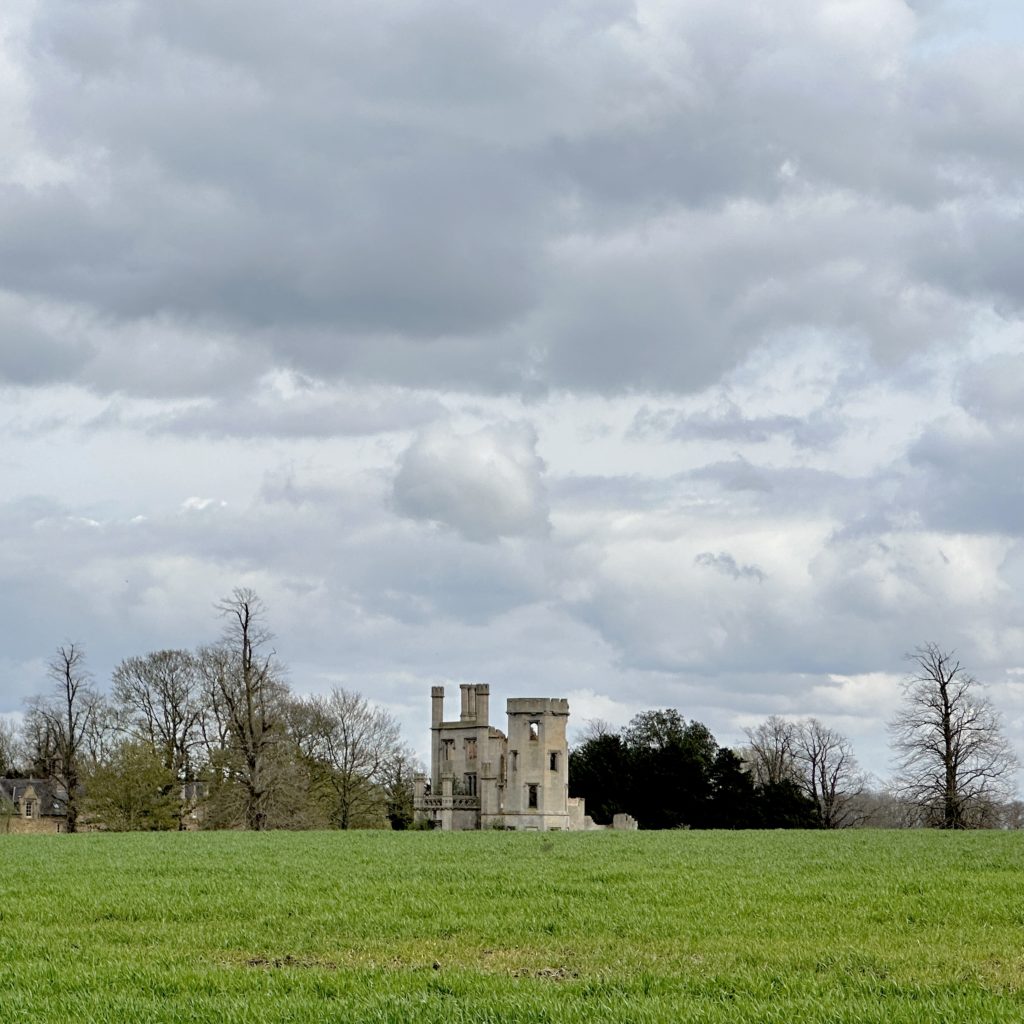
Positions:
{"x": 600, "y": 771}
{"x": 734, "y": 798}
{"x": 784, "y": 804}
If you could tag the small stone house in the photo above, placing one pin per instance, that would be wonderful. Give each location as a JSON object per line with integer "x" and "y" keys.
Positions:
{"x": 32, "y": 805}
{"x": 482, "y": 778}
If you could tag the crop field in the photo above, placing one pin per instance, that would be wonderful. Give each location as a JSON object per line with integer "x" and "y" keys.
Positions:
{"x": 681, "y": 926}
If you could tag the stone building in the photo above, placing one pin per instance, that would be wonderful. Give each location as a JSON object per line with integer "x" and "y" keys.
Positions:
{"x": 32, "y": 805}
{"x": 482, "y": 778}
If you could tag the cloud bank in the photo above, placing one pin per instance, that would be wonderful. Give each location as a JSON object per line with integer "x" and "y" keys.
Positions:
{"x": 664, "y": 354}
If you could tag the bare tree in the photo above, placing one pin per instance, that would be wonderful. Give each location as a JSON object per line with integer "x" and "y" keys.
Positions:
{"x": 953, "y": 761}
{"x": 771, "y": 752}
{"x": 244, "y": 682}
{"x": 213, "y": 663}
{"x": 159, "y": 698}
{"x": 398, "y": 775}
{"x": 830, "y": 774}
{"x": 62, "y": 726}
{"x": 8, "y": 748}
{"x": 355, "y": 744}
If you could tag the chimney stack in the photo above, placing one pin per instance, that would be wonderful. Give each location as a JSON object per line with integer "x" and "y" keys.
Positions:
{"x": 483, "y": 699}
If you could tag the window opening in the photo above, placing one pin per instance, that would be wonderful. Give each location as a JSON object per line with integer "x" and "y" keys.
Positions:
{"x": 30, "y": 808}
{"x": 470, "y": 779}
{"x": 514, "y": 754}
{"x": 531, "y": 796}
{"x": 534, "y": 730}
{"x": 553, "y": 760}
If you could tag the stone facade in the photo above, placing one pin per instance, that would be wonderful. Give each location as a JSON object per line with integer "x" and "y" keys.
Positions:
{"x": 481, "y": 778}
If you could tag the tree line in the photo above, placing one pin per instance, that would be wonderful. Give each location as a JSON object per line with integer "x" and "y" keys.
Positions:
{"x": 215, "y": 738}
{"x": 954, "y": 767}
{"x": 670, "y": 773}
{"x": 211, "y": 738}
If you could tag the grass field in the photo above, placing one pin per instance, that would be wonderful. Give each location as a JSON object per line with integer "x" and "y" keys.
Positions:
{"x": 682, "y": 926}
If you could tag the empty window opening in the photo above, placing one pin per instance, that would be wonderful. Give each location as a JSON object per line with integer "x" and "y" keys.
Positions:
{"x": 553, "y": 760}
{"x": 514, "y": 754}
{"x": 470, "y": 780}
{"x": 534, "y": 730}
{"x": 531, "y": 797}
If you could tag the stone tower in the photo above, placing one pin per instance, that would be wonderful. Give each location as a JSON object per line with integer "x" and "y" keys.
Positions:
{"x": 479, "y": 778}
{"x": 537, "y": 787}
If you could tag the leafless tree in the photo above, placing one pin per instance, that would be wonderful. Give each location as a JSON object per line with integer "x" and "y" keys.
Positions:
{"x": 355, "y": 744}
{"x": 953, "y": 761}
{"x": 594, "y": 729}
{"x": 8, "y": 747}
{"x": 213, "y": 663}
{"x": 244, "y": 682}
{"x": 159, "y": 695}
{"x": 1013, "y": 815}
{"x": 61, "y": 725}
{"x": 771, "y": 752}
{"x": 829, "y": 772}
{"x": 397, "y": 777}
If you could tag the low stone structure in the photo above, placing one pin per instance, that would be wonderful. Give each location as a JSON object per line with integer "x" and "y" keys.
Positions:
{"x": 482, "y": 778}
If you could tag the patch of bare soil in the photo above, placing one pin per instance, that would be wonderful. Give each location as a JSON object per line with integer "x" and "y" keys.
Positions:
{"x": 270, "y": 963}
{"x": 551, "y": 973}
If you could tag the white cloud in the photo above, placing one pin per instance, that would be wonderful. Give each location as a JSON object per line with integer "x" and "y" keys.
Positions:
{"x": 485, "y": 485}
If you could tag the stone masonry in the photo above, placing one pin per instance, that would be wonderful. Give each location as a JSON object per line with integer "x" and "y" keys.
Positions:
{"x": 481, "y": 778}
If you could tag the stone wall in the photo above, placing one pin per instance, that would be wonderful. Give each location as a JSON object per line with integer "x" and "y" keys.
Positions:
{"x": 17, "y": 825}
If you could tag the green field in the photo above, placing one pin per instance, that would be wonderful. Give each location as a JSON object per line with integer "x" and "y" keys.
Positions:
{"x": 682, "y": 926}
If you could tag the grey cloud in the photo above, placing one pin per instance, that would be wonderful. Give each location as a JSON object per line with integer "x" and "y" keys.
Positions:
{"x": 724, "y": 563}
{"x": 612, "y": 492}
{"x": 819, "y": 429}
{"x": 315, "y": 414}
{"x": 974, "y": 250}
{"x": 32, "y": 352}
{"x": 993, "y": 391}
{"x": 968, "y": 484}
{"x": 736, "y": 475}
{"x": 504, "y": 199}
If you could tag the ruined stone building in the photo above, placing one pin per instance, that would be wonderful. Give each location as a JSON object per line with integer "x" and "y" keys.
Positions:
{"x": 482, "y": 778}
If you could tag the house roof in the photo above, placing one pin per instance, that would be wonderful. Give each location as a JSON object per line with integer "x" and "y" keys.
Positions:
{"x": 52, "y": 796}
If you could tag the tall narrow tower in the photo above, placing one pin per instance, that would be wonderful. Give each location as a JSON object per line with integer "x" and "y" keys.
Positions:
{"x": 537, "y": 792}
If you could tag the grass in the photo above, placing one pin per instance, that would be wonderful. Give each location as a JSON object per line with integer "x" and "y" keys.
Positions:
{"x": 501, "y": 927}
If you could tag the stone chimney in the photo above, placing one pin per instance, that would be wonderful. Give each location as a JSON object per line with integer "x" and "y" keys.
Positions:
{"x": 467, "y": 702}
{"x": 483, "y": 699}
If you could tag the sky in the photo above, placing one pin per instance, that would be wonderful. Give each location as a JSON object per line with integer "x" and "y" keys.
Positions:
{"x": 645, "y": 354}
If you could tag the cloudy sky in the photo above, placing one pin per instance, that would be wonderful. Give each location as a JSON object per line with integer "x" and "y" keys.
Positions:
{"x": 645, "y": 353}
